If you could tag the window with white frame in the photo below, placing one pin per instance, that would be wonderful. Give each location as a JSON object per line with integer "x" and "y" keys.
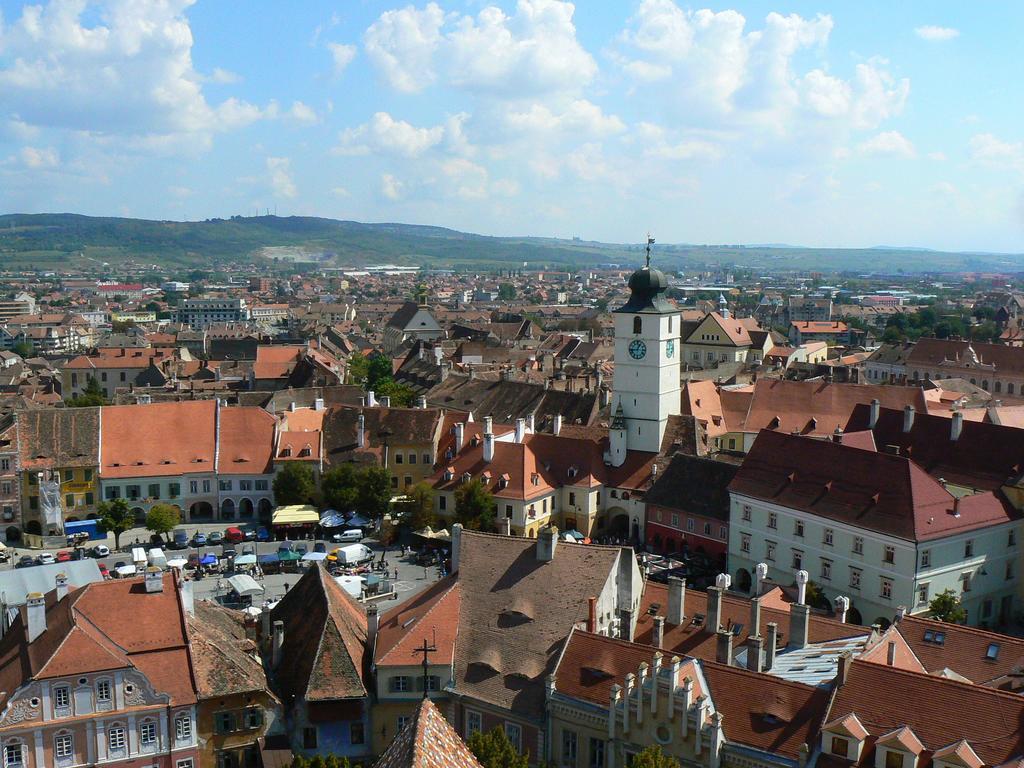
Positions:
{"x": 858, "y": 545}
{"x": 102, "y": 690}
{"x": 826, "y": 569}
{"x": 474, "y": 723}
{"x": 14, "y": 755}
{"x": 116, "y": 738}
{"x": 186, "y": 763}
{"x": 515, "y": 735}
{"x": 744, "y": 542}
{"x": 773, "y": 520}
{"x": 62, "y": 697}
{"x": 969, "y": 548}
{"x": 183, "y": 727}
{"x": 63, "y": 745}
{"x": 855, "y": 578}
{"x": 769, "y": 551}
{"x": 798, "y": 528}
{"x": 827, "y": 537}
{"x": 147, "y": 733}
{"x": 886, "y": 592}
{"x": 926, "y": 558}
{"x": 570, "y": 747}
{"x": 746, "y": 513}
{"x": 798, "y": 559}
{"x": 922, "y": 594}
{"x": 890, "y": 555}
{"x": 689, "y": 524}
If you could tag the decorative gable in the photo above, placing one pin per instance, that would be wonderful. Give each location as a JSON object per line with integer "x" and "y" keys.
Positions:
{"x": 844, "y": 737}
{"x": 898, "y": 749}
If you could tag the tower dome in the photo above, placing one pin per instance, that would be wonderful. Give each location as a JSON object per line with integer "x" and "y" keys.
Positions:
{"x": 646, "y": 288}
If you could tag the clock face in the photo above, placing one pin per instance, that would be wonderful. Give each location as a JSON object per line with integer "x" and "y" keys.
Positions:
{"x": 670, "y": 348}
{"x": 637, "y": 349}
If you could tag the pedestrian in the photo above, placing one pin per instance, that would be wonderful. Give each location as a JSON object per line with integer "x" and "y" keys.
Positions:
{"x": 396, "y": 574}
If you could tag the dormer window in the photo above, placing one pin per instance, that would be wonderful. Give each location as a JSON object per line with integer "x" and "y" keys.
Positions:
{"x": 286, "y": 451}
{"x": 466, "y": 477}
{"x": 306, "y": 451}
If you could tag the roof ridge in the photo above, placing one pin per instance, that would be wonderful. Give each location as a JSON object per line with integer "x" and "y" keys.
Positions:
{"x": 437, "y": 600}
{"x": 968, "y": 686}
{"x": 974, "y": 630}
{"x": 764, "y": 676}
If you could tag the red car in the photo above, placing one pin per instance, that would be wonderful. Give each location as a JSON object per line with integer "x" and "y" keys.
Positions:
{"x": 103, "y": 571}
{"x": 64, "y": 556}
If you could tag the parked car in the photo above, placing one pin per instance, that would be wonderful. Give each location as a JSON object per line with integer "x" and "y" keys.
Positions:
{"x": 78, "y": 554}
{"x": 215, "y": 538}
{"x": 249, "y": 549}
{"x": 227, "y": 552}
{"x": 262, "y": 534}
{"x": 180, "y": 539}
{"x": 301, "y": 549}
{"x": 319, "y": 547}
{"x": 193, "y": 560}
{"x": 250, "y": 534}
{"x": 64, "y": 556}
{"x": 234, "y": 535}
{"x": 25, "y": 561}
{"x": 351, "y": 536}
{"x": 285, "y": 546}
{"x": 101, "y": 550}
{"x": 103, "y": 571}
{"x": 199, "y": 540}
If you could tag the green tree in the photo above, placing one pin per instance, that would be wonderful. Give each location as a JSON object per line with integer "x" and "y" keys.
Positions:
{"x": 24, "y": 349}
{"x": 474, "y": 506}
{"x": 506, "y": 291}
{"x": 115, "y": 517}
{"x": 162, "y": 519}
{"x": 494, "y": 750}
{"x": 401, "y": 394}
{"x": 338, "y": 487}
{"x": 654, "y": 757}
{"x": 374, "y": 492}
{"x": 122, "y": 326}
{"x": 299, "y": 762}
{"x": 418, "y": 509}
{"x": 92, "y": 395}
{"x": 378, "y": 372}
{"x": 317, "y": 762}
{"x": 358, "y": 368}
{"x": 295, "y": 484}
{"x": 946, "y": 606}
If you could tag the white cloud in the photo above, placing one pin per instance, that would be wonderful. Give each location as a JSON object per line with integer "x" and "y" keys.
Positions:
{"x": 122, "y": 68}
{"x": 303, "y": 113}
{"x": 721, "y": 73}
{"x": 989, "y": 150}
{"x": 533, "y": 51}
{"x": 385, "y": 134}
{"x": 179, "y": 192}
{"x": 581, "y": 117}
{"x": 938, "y": 157}
{"x": 39, "y": 157}
{"x": 888, "y": 143}
{"x": 401, "y": 45}
{"x": 342, "y": 56}
{"x": 223, "y": 76}
{"x": 282, "y": 182}
{"x": 391, "y": 187}
{"x": 935, "y": 34}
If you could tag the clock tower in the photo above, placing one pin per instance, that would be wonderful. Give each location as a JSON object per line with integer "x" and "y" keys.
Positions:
{"x": 646, "y": 382}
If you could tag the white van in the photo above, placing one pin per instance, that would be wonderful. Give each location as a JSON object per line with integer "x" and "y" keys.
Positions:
{"x": 351, "y": 535}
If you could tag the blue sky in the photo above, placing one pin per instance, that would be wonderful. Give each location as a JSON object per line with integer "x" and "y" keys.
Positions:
{"x": 841, "y": 124}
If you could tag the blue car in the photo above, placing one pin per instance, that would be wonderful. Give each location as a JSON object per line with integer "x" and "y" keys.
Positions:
{"x": 199, "y": 540}
{"x": 262, "y": 534}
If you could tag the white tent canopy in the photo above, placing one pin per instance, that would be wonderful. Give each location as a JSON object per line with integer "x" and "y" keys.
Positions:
{"x": 244, "y": 585}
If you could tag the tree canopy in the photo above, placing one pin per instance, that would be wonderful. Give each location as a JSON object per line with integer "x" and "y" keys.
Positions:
{"x": 115, "y": 517}
{"x": 494, "y": 750}
{"x": 162, "y": 519}
{"x": 654, "y": 757}
{"x": 91, "y": 395}
{"x": 418, "y": 508}
{"x": 295, "y": 484}
{"x": 946, "y": 606}
{"x": 474, "y": 506}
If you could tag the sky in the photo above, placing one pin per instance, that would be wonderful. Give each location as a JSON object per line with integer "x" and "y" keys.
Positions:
{"x": 820, "y": 124}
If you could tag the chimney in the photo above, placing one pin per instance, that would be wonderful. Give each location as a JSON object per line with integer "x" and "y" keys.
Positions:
{"x": 372, "y": 625}
{"x": 714, "y": 619}
{"x": 488, "y": 446}
{"x": 556, "y": 426}
{"x": 842, "y": 606}
{"x": 385, "y": 401}
{"x": 460, "y": 435}
{"x": 799, "y": 613}
{"x": 154, "y": 579}
{"x": 520, "y": 430}
{"x": 438, "y": 355}
{"x": 755, "y": 615}
{"x": 676, "y": 600}
{"x": 760, "y": 574}
{"x": 36, "y": 614}
{"x": 843, "y": 667}
{"x": 890, "y": 654}
{"x": 901, "y": 611}
{"x": 530, "y": 423}
{"x": 421, "y": 402}
{"x": 723, "y": 647}
{"x": 278, "y": 644}
{"x": 456, "y": 545}
{"x": 488, "y": 424}
{"x": 956, "y": 426}
{"x": 837, "y": 435}
{"x": 803, "y": 756}
{"x": 876, "y": 407}
{"x": 62, "y": 586}
{"x": 770, "y": 645}
{"x": 659, "y": 632}
{"x": 318, "y": 404}
{"x": 755, "y": 649}
{"x": 592, "y": 615}
{"x": 626, "y": 625}
{"x": 507, "y": 527}
{"x": 908, "y": 418}
{"x": 547, "y": 539}
{"x": 371, "y": 399}
{"x": 361, "y": 431}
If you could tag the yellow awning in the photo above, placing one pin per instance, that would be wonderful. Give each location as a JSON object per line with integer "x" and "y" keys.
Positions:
{"x": 296, "y": 514}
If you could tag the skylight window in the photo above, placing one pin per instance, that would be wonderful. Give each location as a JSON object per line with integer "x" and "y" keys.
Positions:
{"x": 993, "y": 651}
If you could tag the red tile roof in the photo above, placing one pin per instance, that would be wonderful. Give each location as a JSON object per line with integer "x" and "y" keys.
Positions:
{"x": 876, "y": 491}
{"x": 427, "y": 741}
{"x": 157, "y": 440}
{"x": 432, "y": 614}
{"x": 246, "y": 441}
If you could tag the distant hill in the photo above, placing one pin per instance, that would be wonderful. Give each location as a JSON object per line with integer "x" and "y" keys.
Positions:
{"x": 62, "y": 240}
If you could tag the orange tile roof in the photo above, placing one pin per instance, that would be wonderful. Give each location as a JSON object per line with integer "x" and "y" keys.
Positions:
{"x": 432, "y": 614}
{"x": 427, "y": 741}
{"x": 157, "y": 440}
{"x": 246, "y": 441}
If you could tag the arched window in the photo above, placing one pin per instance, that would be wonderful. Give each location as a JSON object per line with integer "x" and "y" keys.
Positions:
{"x": 1009, "y": 388}
{"x": 984, "y": 384}
{"x": 183, "y": 727}
{"x": 638, "y": 325}
{"x": 147, "y": 733}
{"x": 64, "y": 747}
{"x": 997, "y": 386}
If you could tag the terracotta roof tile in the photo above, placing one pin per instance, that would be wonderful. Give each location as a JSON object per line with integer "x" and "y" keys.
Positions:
{"x": 158, "y": 440}
{"x": 427, "y": 741}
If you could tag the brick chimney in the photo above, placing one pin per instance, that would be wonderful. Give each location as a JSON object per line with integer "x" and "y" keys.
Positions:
{"x": 676, "y": 600}
{"x": 547, "y": 540}
{"x": 723, "y": 647}
{"x": 770, "y": 645}
{"x": 659, "y": 632}
{"x": 35, "y": 615}
{"x": 592, "y": 615}
{"x": 456, "y": 545}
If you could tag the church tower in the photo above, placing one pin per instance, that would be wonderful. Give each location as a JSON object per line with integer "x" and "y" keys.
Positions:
{"x": 646, "y": 382}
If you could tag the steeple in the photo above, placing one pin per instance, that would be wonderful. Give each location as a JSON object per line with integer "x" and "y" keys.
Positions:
{"x": 723, "y": 307}
{"x": 646, "y": 287}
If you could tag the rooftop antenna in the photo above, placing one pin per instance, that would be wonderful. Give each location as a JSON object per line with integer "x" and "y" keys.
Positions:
{"x": 650, "y": 242}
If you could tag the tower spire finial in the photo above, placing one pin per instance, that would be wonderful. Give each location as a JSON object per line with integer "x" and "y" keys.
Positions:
{"x": 650, "y": 242}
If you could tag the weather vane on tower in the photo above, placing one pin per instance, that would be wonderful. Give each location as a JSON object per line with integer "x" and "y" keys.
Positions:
{"x": 650, "y": 242}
